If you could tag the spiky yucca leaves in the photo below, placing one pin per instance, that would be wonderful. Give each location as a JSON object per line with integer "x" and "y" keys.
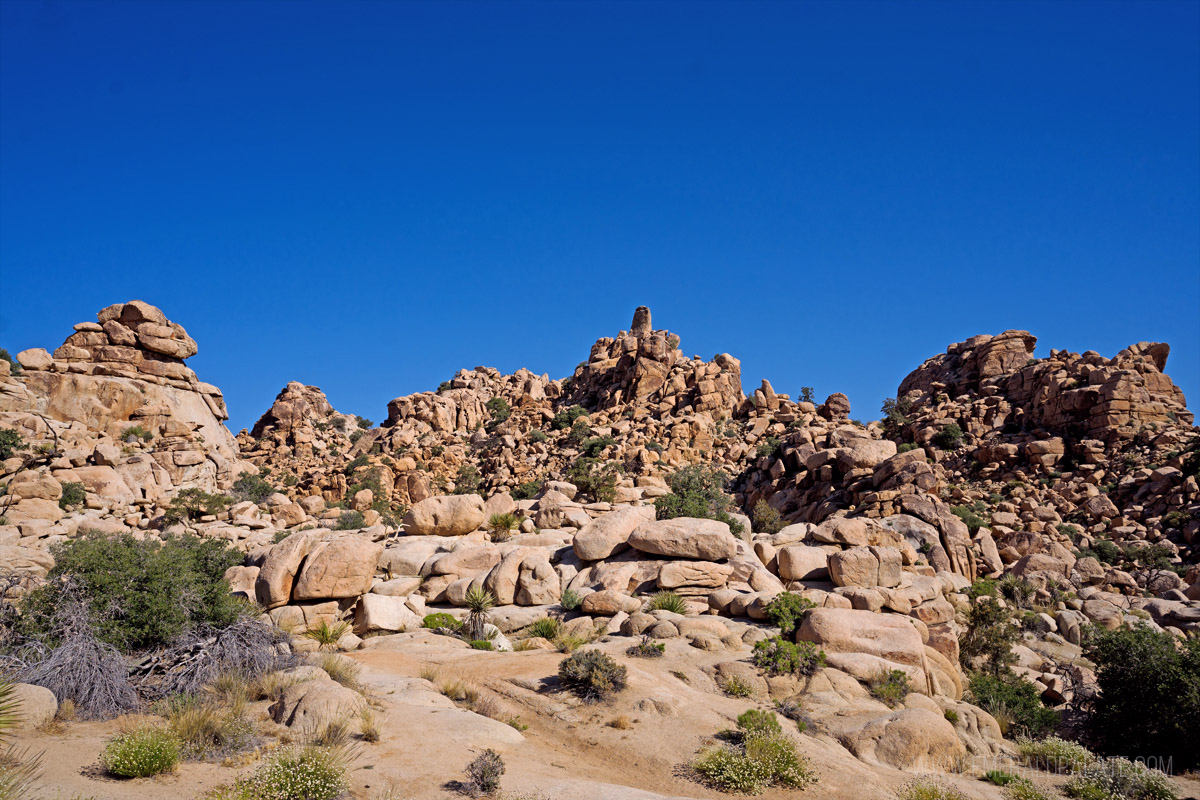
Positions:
{"x": 19, "y": 769}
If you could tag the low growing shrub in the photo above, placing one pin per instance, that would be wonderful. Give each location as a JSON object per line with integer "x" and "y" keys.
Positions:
{"x": 890, "y": 687}
{"x": 667, "y": 601}
{"x": 647, "y": 649}
{"x": 1014, "y": 702}
{"x": 547, "y": 627}
{"x": 778, "y": 656}
{"x": 928, "y": 789}
{"x": 140, "y": 753}
{"x": 1053, "y": 754}
{"x": 760, "y": 760}
{"x": 441, "y": 620}
{"x": 294, "y": 773}
{"x": 787, "y": 610}
{"x": 592, "y": 675}
{"x": 698, "y": 491}
{"x": 1118, "y": 779}
{"x": 483, "y": 774}
{"x": 350, "y": 521}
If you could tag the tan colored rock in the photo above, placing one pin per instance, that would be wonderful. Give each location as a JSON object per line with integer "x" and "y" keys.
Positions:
{"x": 841, "y": 530}
{"x": 33, "y": 706}
{"x": 377, "y": 612}
{"x": 35, "y": 358}
{"x": 705, "y": 574}
{"x": 865, "y": 643}
{"x": 908, "y": 739}
{"x": 242, "y": 580}
{"x": 278, "y": 572}
{"x": 308, "y": 708}
{"x": 340, "y": 568}
{"x": 609, "y": 533}
{"x": 802, "y": 563}
{"x": 608, "y": 602}
{"x": 453, "y": 515}
{"x": 685, "y": 537}
{"x": 866, "y": 566}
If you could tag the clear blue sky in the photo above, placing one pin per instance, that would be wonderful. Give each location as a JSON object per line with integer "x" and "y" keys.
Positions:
{"x": 367, "y": 196}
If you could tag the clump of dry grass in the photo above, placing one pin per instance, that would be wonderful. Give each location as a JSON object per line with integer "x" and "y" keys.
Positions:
{"x": 368, "y": 726}
{"x": 341, "y": 669}
{"x": 621, "y": 722}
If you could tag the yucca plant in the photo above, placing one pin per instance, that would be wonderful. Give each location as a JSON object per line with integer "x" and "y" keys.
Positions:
{"x": 501, "y": 526}
{"x": 667, "y": 601}
{"x": 479, "y": 602}
{"x": 327, "y": 635}
{"x": 546, "y": 627}
{"x": 19, "y": 769}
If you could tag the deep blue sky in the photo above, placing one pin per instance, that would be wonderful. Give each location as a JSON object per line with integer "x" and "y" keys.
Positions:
{"x": 369, "y": 196}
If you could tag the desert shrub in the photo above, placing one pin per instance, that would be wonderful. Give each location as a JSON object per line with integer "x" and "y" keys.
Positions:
{"x": 754, "y": 721}
{"x": 787, "y": 610}
{"x": 1023, "y": 789}
{"x": 890, "y": 687}
{"x": 989, "y": 636}
{"x": 1016, "y": 590}
{"x": 499, "y": 408}
{"x": 73, "y": 494}
{"x": 594, "y": 446}
{"x": 141, "y": 593}
{"x": 527, "y": 490}
{"x": 951, "y": 716}
{"x": 547, "y": 627}
{"x": 736, "y": 686}
{"x": 767, "y": 519}
{"x": 1053, "y": 754}
{"x": 1118, "y": 779}
{"x": 10, "y": 443}
{"x": 667, "y": 601}
{"x": 570, "y": 599}
{"x": 760, "y": 760}
{"x": 1103, "y": 550}
{"x": 296, "y": 773}
{"x": 192, "y": 504}
{"x": 479, "y": 603}
{"x": 647, "y": 649}
{"x": 537, "y": 436}
{"x": 468, "y": 480}
{"x": 14, "y": 365}
{"x": 767, "y": 447}
{"x": 441, "y": 620}
{"x": 697, "y": 491}
{"x": 350, "y": 521}
{"x": 483, "y": 774}
{"x": 140, "y": 753}
{"x": 247, "y": 648}
{"x": 595, "y": 478}
{"x": 566, "y": 417}
{"x": 501, "y": 526}
{"x": 1149, "y": 701}
{"x": 137, "y": 432}
{"x": 970, "y": 517}
{"x": 326, "y": 635}
{"x": 592, "y": 675}
{"x": 895, "y": 416}
{"x": 928, "y": 789}
{"x": 999, "y": 777}
{"x": 950, "y": 437}
{"x": 907, "y": 446}
{"x": 205, "y": 730}
{"x": 1014, "y": 702}
{"x": 254, "y": 488}
{"x": 578, "y": 433}
{"x": 778, "y": 656}
{"x": 481, "y": 644}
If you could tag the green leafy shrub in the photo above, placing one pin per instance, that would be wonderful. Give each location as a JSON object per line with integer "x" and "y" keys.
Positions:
{"x": 767, "y": 519}
{"x": 350, "y": 521}
{"x": 479, "y": 603}
{"x": 667, "y": 601}
{"x": 989, "y": 636}
{"x": 592, "y": 675}
{"x": 890, "y": 687}
{"x": 294, "y": 773}
{"x": 499, "y": 408}
{"x": 767, "y": 447}
{"x": 579, "y": 432}
{"x": 254, "y": 488}
{"x": 547, "y": 627}
{"x": 570, "y": 600}
{"x": 10, "y": 443}
{"x": 928, "y": 789}
{"x": 1103, "y": 550}
{"x": 999, "y": 777}
{"x": 192, "y": 504}
{"x": 596, "y": 479}
{"x": 736, "y": 686}
{"x": 1014, "y": 702}
{"x": 537, "y": 436}
{"x": 73, "y": 494}
{"x": 137, "y": 432}
{"x": 481, "y": 644}
{"x": 647, "y": 649}
{"x": 697, "y": 491}
{"x": 441, "y": 620}
{"x": 566, "y": 417}
{"x": 501, "y": 526}
{"x": 1053, "y": 754}
{"x": 159, "y": 589}
{"x": 1118, "y": 779}
{"x": 140, "y": 753}
{"x": 970, "y": 515}
{"x": 950, "y": 437}
{"x": 777, "y": 656}
{"x": 787, "y": 611}
{"x": 755, "y": 721}
{"x": 759, "y": 761}
{"x": 951, "y": 716}
{"x": 594, "y": 446}
{"x": 527, "y": 490}
{"x": 1149, "y": 702}
{"x": 1024, "y": 789}
{"x": 468, "y": 480}
{"x": 906, "y": 447}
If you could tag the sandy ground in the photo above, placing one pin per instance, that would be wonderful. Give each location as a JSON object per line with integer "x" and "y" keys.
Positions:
{"x": 568, "y": 752}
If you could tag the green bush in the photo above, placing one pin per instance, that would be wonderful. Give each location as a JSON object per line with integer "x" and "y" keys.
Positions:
{"x": 252, "y": 487}
{"x": 778, "y": 656}
{"x": 566, "y": 417}
{"x": 546, "y": 627}
{"x": 501, "y": 526}
{"x": 736, "y": 686}
{"x": 138, "y": 432}
{"x": 499, "y": 409}
{"x": 527, "y": 490}
{"x": 989, "y": 636}
{"x": 787, "y": 611}
{"x": 950, "y": 437}
{"x": 970, "y": 515}
{"x": 140, "y": 753}
{"x": 667, "y": 601}
{"x": 363, "y": 422}
{"x": 142, "y": 593}
{"x": 1149, "y": 702}
{"x": 647, "y": 649}
{"x": 1053, "y": 754}
{"x": 192, "y": 504}
{"x": 441, "y": 620}
{"x": 578, "y": 433}
{"x": 481, "y": 644}
{"x": 767, "y": 519}
{"x": 890, "y": 687}
{"x": 1103, "y": 550}
{"x": 594, "y": 446}
{"x": 350, "y": 521}
{"x": 14, "y": 365}
{"x": 596, "y": 479}
{"x": 754, "y": 721}
{"x": 10, "y": 443}
{"x": 570, "y": 600}
{"x": 73, "y": 494}
{"x": 1024, "y": 789}
{"x": 1014, "y": 702}
{"x": 537, "y": 436}
{"x": 759, "y": 761}
{"x": 998, "y": 777}
{"x": 468, "y": 480}
{"x": 697, "y": 491}
{"x": 592, "y": 675}
{"x": 303, "y": 773}
{"x": 767, "y": 447}
{"x": 928, "y": 789}
{"x": 1118, "y": 779}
